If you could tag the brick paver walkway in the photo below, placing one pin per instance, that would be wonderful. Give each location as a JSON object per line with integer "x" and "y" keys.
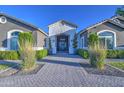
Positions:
{"x": 61, "y": 71}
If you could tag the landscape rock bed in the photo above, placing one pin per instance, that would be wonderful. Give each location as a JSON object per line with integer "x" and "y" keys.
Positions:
{"x": 110, "y": 71}
{"x": 34, "y": 71}
{"x": 15, "y": 71}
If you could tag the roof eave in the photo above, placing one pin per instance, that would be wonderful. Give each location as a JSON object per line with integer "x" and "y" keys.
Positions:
{"x": 14, "y": 18}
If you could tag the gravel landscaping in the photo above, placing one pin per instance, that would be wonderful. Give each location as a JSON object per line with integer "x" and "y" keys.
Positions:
{"x": 13, "y": 69}
{"x": 110, "y": 71}
{"x": 34, "y": 71}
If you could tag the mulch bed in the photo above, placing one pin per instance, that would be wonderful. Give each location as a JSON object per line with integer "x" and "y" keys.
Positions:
{"x": 110, "y": 71}
{"x": 34, "y": 71}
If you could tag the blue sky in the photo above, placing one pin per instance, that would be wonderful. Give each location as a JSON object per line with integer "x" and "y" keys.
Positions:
{"x": 42, "y": 16}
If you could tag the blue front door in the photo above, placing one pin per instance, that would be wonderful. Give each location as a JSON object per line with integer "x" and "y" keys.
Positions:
{"x": 62, "y": 43}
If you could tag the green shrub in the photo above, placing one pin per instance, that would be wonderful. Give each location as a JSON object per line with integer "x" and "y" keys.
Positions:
{"x": 83, "y": 53}
{"x": 45, "y": 52}
{"x": 9, "y": 55}
{"x": 120, "y": 54}
{"x": 41, "y": 53}
{"x": 115, "y": 53}
{"x": 112, "y": 53}
{"x": 14, "y": 55}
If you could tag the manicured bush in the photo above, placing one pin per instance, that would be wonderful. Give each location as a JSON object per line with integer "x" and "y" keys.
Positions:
{"x": 14, "y": 55}
{"x": 112, "y": 53}
{"x": 41, "y": 53}
{"x": 9, "y": 55}
{"x": 83, "y": 53}
{"x": 120, "y": 54}
{"x": 115, "y": 53}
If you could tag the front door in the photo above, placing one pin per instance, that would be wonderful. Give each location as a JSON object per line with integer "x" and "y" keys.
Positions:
{"x": 62, "y": 43}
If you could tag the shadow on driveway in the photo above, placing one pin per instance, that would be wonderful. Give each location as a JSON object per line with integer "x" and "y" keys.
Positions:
{"x": 66, "y": 56}
{"x": 60, "y": 62}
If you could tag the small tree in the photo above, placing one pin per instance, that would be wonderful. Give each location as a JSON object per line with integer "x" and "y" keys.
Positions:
{"x": 120, "y": 11}
{"x": 27, "y": 53}
{"x": 75, "y": 41}
{"x": 93, "y": 39}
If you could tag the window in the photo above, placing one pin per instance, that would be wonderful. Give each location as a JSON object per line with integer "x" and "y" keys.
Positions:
{"x": 15, "y": 33}
{"x": 82, "y": 42}
{"x": 3, "y": 20}
{"x": 14, "y": 40}
{"x": 107, "y": 39}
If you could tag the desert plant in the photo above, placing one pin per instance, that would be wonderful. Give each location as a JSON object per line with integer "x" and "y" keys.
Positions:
{"x": 101, "y": 55}
{"x": 26, "y": 51}
{"x": 92, "y": 56}
{"x": 93, "y": 45}
{"x": 97, "y": 52}
{"x": 97, "y": 57}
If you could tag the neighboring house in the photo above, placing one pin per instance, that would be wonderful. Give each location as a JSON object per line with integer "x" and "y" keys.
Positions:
{"x": 10, "y": 27}
{"x": 61, "y": 34}
{"x": 110, "y": 32}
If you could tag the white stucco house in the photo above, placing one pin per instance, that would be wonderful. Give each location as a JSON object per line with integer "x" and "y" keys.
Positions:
{"x": 61, "y": 34}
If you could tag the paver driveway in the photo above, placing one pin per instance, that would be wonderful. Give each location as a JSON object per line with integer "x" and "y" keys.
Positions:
{"x": 61, "y": 71}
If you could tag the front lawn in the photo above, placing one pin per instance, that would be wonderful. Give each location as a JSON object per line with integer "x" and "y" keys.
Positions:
{"x": 118, "y": 64}
{"x": 5, "y": 66}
